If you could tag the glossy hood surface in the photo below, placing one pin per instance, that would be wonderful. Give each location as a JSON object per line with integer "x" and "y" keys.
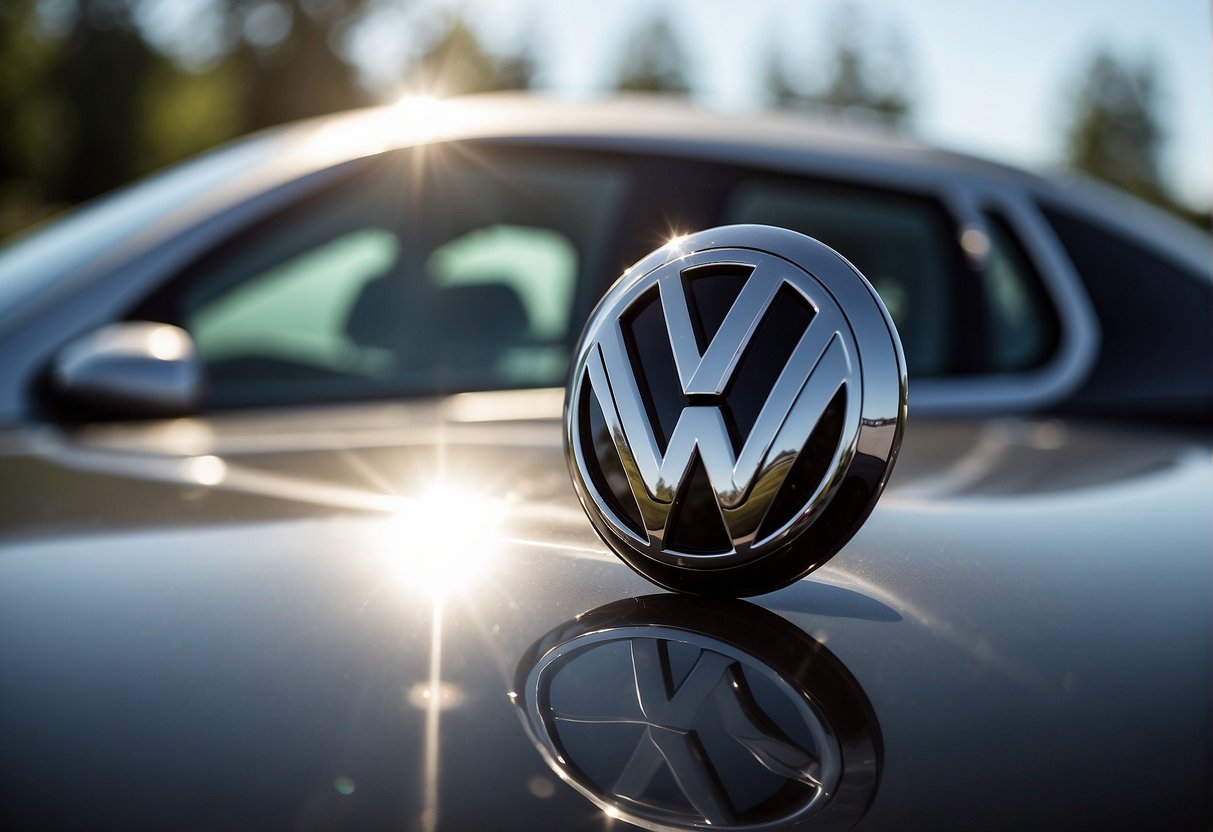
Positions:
{"x": 399, "y": 617}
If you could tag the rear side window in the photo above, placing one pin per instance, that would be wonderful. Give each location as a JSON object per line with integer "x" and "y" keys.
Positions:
{"x": 1023, "y": 325}
{"x": 437, "y": 269}
{"x": 905, "y": 245}
{"x": 1155, "y": 315}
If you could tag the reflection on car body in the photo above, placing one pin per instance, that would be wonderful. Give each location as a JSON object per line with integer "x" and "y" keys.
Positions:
{"x": 677, "y": 712}
{"x": 205, "y": 581}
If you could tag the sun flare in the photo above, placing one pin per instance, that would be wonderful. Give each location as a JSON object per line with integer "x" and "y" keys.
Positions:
{"x": 443, "y": 539}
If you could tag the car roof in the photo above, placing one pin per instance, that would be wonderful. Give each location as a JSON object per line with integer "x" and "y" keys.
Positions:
{"x": 653, "y": 121}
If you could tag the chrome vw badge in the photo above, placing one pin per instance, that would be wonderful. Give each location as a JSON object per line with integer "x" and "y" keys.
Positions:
{"x": 735, "y": 407}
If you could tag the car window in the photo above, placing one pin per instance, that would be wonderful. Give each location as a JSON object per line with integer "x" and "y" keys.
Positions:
{"x": 1155, "y": 319}
{"x": 438, "y": 269}
{"x": 297, "y": 308}
{"x": 539, "y": 265}
{"x": 1023, "y": 325}
{"x": 904, "y": 245}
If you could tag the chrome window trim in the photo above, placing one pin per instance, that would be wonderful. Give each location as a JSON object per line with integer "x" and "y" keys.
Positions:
{"x": 965, "y": 196}
{"x": 1079, "y": 334}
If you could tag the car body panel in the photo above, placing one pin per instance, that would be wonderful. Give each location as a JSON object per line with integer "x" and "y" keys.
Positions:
{"x": 238, "y": 622}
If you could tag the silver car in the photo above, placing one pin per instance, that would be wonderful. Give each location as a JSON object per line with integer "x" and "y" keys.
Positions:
{"x": 288, "y": 540}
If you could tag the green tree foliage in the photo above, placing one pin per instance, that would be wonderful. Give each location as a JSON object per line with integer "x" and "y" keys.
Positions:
{"x": 780, "y": 91}
{"x": 863, "y": 79}
{"x": 73, "y": 105}
{"x": 654, "y": 61}
{"x": 1115, "y": 133}
{"x": 88, "y": 103}
{"x": 187, "y": 112}
{"x": 102, "y": 75}
{"x": 851, "y": 89}
{"x": 457, "y": 63}
{"x": 515, "y": 72}
{"x": 285, "y": 60}
{"x": 29, "y": 142}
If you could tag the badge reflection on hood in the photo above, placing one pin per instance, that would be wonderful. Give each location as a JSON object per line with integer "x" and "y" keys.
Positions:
{"x": 736, "y": 404}
{"x": 673, "y": 712}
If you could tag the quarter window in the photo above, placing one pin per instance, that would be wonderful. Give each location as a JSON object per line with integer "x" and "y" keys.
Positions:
{"x": 904, "y": 245}
{"x": 1024, "y": 329}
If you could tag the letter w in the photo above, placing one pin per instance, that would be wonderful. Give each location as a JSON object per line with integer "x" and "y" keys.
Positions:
{"x": 818, "y": 367}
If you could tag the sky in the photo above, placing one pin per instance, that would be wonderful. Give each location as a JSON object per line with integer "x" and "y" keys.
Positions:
{"x": 988, "y": 78}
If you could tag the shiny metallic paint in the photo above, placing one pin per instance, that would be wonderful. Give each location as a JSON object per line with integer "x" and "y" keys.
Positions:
{"x": 1027, "y": 611}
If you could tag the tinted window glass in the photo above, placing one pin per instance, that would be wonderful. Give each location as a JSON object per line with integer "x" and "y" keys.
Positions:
{"x": 443, "y": 268}
{"x": 296, "y": 309}
{"x": 904, "y": 245}
{"x": 1023, "y": 323}
{"x": 540, "y": 266}
{"x": 1155, "y": 317}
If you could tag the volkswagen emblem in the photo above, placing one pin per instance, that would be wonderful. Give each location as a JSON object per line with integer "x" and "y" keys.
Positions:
{"x": 735, "y": 407}
{"x": 673, "y": 712}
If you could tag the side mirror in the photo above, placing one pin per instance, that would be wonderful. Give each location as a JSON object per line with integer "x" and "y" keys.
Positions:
{"x": 133, "y": 368}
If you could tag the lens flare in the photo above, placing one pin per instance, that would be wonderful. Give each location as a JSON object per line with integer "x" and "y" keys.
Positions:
{"x": 444, "y": 539}
{"x": 676, "y": 244}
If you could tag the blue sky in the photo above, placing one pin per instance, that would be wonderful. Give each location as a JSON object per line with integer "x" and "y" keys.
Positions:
{"x": 989, "y": 78}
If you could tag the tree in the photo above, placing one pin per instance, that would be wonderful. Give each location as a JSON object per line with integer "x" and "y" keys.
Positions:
{"x": 863, "y": 80}
{"x": 780, "y": 91}
{"x": 852, "y": 90}
{"x": 87, "y": 103}
{"x": 284, "y": 53}
{"x": 1115, "y": 133}
{"x": 654, "y": 62}
{"x": 457, "y": 63}
{"x": 29, "y": 145}
{"x": 101, "y": 79}
{"x": 515, "y": 72}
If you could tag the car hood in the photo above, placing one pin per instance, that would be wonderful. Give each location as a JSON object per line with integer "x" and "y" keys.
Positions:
{"x": 399, "y": 616}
